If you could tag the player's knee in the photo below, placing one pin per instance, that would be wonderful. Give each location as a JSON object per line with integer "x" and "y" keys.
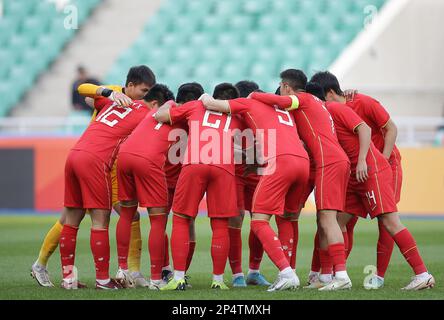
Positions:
{"x": 129, "y": 203}
{"x": 236, "y": 222}
{"x": 391, "y": 223}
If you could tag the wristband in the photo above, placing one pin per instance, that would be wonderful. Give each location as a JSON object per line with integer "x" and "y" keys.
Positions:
{"x": 106, "y": 92}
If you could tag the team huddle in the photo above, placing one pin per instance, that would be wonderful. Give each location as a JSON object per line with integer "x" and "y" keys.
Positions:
{"x": 246, "y": 151}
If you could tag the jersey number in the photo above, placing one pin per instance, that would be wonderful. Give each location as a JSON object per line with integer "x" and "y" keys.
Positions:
{"x": 104, "y": 117}
{"x": 216, "y": 124}
{"x": 285, "y": 117}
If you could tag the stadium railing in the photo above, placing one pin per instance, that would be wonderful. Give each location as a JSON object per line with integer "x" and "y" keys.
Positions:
{"x": 412, "y": 131}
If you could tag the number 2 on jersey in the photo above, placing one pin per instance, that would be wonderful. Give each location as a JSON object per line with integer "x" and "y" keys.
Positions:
{"x": 110, "y": 111}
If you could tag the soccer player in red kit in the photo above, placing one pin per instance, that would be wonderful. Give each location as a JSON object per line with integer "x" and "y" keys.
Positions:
{"x": 384, "y": 133}
{"x": 246, "y": 182}
{"x": 142, "y": 182}
{"x": 88, "y": 185}
{"x": 317, "y": 130}
{"x": 283, "y": 179}
{"x": 370, "y": 189}
{"x": 208, "y": 167}
{"x": 187, "y": 92}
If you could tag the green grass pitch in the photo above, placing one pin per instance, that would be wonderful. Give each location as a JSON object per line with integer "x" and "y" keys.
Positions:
{"x": 21, "y": 236}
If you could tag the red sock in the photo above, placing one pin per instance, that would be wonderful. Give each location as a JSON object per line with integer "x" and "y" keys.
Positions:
{"x": 295, "y": 243}
{"x": 256, "y": 251}
{"x": 350, "y": 230}
{"x": 235, "y": 255}
{"x": 220, "y": 244}
{"x": 345, "y": 235}
{"x": 270, "y": 242}
{"x": 325, "y": 261}
{"x": 190, "y": 255}
{"x": 337, "y": 255}
{"x": 384, "y": 250}
{"x": 407, "y": 245}
{"x": 99, "y": 242}
{"x": 156, "y": 244}
{"x": 68, "y": 239}
{"x": 166, "y": 260}
{"x": 180, "y": 242}
{"x": 316, "y": 261}
{"x": 123, "y": 235}
{"x": 285, "y": 234}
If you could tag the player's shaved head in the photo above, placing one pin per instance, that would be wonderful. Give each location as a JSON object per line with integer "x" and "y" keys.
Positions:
{"x": 160, "y": 93}
{"x": 328, "y": 82}
{"x": 225, "y": 91}
{"x": 246, "y": 87}
{"x": 189, "y": 92}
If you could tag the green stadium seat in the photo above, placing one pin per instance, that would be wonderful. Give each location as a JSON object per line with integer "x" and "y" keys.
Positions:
{"x": 214, "y": 41}
{"x": 32, "y": 34}
{"x": 228, "y": 39}
{"x": 240, "y": 23}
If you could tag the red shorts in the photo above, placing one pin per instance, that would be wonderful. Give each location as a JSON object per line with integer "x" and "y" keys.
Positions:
{"x": 171, "y": 192}
{"x": 140, "y": 179}
{"x": 310, "y": 186}
{"x": 282, "y": 186}
{"x": 397, "y": 180}
{"x": 245, "y": 190}
{"x": 331, "y": 186}
{"x": 375, "y": 196}
{"x": 87, "y": 182}
{"x": 220, "y": 188}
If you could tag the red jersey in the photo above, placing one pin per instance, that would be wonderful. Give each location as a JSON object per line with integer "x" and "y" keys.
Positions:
{"x": 314, "y": 124}
{"x": 110, "y": 128}
{"x": 274, "y": 129}
{"x": 346, "y": 121}
{"x": 376, "y": 117}
{"x": 210, "y": 137}
{"x": 150, "y": 140}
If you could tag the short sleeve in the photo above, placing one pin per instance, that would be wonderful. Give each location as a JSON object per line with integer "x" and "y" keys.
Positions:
{"x": 349, "y": 118}
{"x": 375, "y": 111}
{"x": 181, "y": 113}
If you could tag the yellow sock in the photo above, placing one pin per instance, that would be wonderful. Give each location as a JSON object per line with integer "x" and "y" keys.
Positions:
{"x": 135, "y": 247}
{"x": 50, "y": 243}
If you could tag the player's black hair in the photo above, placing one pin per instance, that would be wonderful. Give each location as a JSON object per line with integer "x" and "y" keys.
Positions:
{"x": 246, "y": 87}
{"x": 296, "y": 79}
{"x": 327, "y": 81}
{"x": 189, "y": 92}
{"x": 315, "y": 89}
{"x": 278, "y": 91}
{"x": 160, "y": 93}
{"x": 141, "y": 74}
{"x": 225, "y": 91}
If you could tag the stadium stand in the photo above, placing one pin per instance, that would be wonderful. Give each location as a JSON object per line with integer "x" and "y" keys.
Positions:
{"x": 212, "y": 41}
{"x": 32, "y": 35}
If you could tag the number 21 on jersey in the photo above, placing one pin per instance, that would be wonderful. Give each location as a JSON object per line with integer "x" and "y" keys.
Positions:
{"x": 216, "y": 124}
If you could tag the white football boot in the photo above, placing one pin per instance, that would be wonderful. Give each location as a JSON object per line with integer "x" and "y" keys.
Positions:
{"x": 337, "y": 284}
{"x": 41, "y": 275}
{"x": 124, "y": 278}
{"x": 420, "y": 282}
